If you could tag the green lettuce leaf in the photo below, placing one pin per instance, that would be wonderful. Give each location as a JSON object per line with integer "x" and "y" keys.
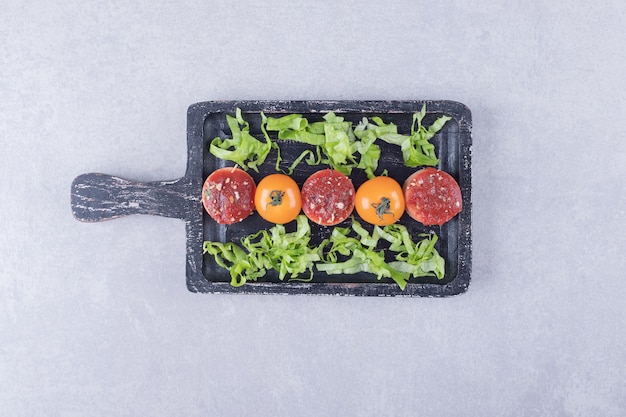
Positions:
{"x": 243, "y": 148}
{"x": 416, "y": 148}
{"x": 348, "y": 250}
{"x": 413, "y": 259}
{"x": 288, "y": 253}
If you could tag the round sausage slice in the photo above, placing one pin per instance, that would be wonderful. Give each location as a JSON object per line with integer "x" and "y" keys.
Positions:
{"x": 228, "y": 195}
{"x": 327, "y": 197}
{"x": 432, "y": 196}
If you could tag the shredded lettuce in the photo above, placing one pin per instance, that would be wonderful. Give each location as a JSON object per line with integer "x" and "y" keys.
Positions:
{"x": 333, "y": 139}
{"x": 345, "y": 147}
{"x": 349, "y": 250}
{"x": 412, "y": 259}
{"x": 243, "y": 148}
{"x": 232, "y": 257}
{"x": 416, "y": 148}
{"x": 336, "y": 142}
{"x": 288, "y": 253}
{"x": 295, "y": 127}
{"x": 369, "y": 151}
{"x": 340, "y": 144}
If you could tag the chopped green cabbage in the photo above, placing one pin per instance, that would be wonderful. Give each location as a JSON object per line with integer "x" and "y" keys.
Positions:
{"x": 288, "y": 253}
{"x": 416, "y": 148}
{"x": 348, "y": 250}
{"x": 412, "y": 259}
{"x": 243, "y": 149}
{"x": 345, "y": 147}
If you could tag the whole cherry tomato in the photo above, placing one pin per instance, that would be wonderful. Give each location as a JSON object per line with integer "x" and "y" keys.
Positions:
{"x": 277, "y": 199}
{"x": 380, "y": 201}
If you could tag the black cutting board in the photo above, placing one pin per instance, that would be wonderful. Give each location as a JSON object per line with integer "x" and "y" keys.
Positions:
{"x": 96, "y": 197}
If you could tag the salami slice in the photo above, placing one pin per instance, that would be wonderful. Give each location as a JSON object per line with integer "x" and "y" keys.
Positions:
{"x": 228, "y": 195}
{"x": 327, "y": 197}
{"x": 432, "y": 196}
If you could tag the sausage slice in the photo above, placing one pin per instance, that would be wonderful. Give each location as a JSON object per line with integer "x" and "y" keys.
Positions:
{"x": 327, "y": 197}
{"x": 228, "y": 195}
{"x": 432, "y": 196}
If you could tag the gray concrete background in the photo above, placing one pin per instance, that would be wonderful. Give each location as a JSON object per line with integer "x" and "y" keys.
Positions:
{"x": 95, "y": 319}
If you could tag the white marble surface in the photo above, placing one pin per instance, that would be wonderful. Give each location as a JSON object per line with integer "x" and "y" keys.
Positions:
{"x": 95, "y": 319}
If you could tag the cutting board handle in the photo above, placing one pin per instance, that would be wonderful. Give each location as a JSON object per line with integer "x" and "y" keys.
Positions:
{"x": 96, "y": 197}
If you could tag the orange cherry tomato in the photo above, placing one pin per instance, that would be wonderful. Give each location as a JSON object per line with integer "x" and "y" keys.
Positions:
{"x": 277, "y": 199}
{"x": 380, "y": 201}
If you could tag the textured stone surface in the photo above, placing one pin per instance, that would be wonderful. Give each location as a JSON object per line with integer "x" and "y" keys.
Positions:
{"x": 96, "y": 319}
